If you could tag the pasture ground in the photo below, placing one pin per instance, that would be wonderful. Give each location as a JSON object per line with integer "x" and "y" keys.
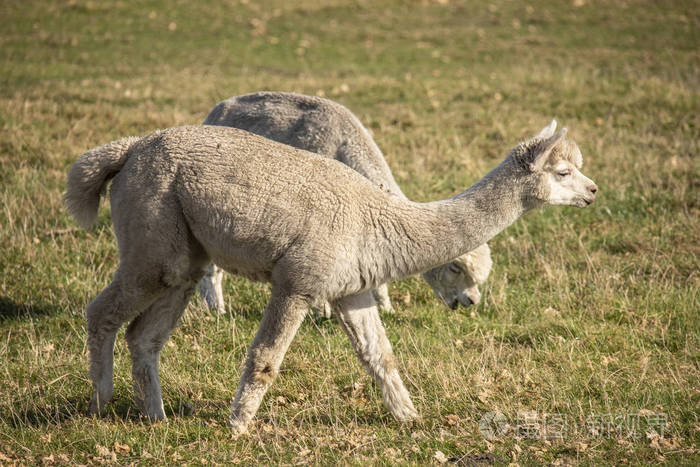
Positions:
{"x": 587, "y": 340}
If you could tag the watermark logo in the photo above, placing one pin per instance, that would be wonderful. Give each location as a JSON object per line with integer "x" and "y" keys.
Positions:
{"x": 494, "y": 425}
{"x": 555, "y": 426}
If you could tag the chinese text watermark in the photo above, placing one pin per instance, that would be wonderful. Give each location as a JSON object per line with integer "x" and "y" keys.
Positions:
{"x": 554, "y": 426}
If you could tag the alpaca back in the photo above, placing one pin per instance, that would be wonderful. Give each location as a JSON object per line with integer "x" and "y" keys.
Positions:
{"x": 310, "y": 123}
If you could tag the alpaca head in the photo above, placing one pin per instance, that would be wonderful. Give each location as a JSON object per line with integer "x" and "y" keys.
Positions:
{"x": 458, "y": 281}
{"x": 552, "y": 164}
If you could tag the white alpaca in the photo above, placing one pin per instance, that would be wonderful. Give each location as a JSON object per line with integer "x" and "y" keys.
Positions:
{"x": 330, "y": 129}
{"x": 312, "y": 227}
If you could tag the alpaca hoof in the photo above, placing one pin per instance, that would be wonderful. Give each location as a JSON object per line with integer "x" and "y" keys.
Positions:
{"x": 237, "y": 427}
{"x": 213, "y": 299}
{"x": 406, "y": 414}
{"x": 220, "y": 307}
{"x": 97, "y": 407}
{"x": 153, "y": 412}
{"x": 215, "y": 305}
{"x": 155, "y": 416}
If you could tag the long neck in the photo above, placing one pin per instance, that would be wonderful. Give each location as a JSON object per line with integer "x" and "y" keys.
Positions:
{"x": 364, "y": 156}
{"x": 435, "y": 233}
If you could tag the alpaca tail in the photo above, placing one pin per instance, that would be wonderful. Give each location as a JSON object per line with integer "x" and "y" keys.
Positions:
{"x": 89, "y": 175}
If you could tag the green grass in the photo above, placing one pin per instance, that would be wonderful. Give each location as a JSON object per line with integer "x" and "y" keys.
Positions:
{"x": 587, "y": 312}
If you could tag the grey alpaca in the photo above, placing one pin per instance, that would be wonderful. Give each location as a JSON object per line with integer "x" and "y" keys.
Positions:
{"x": 312, "y": 227}
{"x": 330, "y": 129}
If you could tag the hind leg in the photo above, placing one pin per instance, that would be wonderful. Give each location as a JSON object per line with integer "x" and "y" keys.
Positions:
{"x": 146, "y": 336}
{"x": 116, "y": 304}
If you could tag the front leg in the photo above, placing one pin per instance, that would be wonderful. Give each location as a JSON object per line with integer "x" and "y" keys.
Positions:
{"x": 211, "y": 290}
{"x": 322, "y": 311}
{"x": 146, "y": 336}
{"x": 359, "y": 319}
{"x": 279, "y": 325}
{"x": 381, "y": 295}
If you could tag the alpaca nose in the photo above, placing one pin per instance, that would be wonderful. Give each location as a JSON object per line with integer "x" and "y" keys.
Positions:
{"x": 593, "y": 189}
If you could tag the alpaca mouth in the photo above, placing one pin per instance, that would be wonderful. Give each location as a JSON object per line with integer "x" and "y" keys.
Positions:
{"x": 587, "y": 201}
{"x": 454, "y": 304}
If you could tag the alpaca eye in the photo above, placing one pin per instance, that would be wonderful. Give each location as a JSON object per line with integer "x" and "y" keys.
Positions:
{"x": 455, "y": 269}
{"x": 565, "y": 173}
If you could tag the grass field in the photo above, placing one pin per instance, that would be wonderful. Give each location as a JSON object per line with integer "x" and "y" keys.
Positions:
{"x": 587, "y": 340}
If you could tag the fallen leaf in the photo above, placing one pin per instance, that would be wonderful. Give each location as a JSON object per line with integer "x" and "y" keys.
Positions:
{"x": 452, "y": 419}
{"x": 551, "y": 312}
{"x": 102, "y": 450}
{"x": 357, "y": 389}
{"x": 484, "y": 395}
{"x": 121, "y": 448}
{"x": 608, "y": 360}
{"x": 504, "y": 374}
{"x": 669, "y": 443}
{"x": 391, "y": 453}
{"x": 440, "y": 457}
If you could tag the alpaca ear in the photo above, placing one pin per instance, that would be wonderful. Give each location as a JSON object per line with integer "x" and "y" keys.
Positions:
{"x": 547, "y": 147}
{"x": 547, "y": 131}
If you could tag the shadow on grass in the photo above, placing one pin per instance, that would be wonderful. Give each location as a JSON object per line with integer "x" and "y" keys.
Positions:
{"x": 477, "y": 460}
{"x": 361, "y": 418}
{"x": 9, "y": 309}
{"x": 51, "y": 414}
{"x": 121, "y": 409}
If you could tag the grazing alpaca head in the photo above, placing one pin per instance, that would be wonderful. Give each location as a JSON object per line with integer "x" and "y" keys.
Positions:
{"x": 458, "y": 281}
